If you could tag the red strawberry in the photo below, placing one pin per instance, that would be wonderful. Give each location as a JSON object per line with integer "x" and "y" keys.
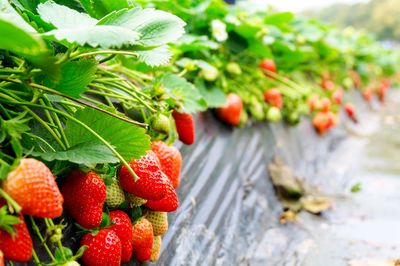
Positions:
{"x": 268, "y": 65}
{"x": 327, "y": 85}
{"x": 322, "y": 122}
{"x": 273, "y": 97}
{"x": 185, "y": 127}
{"x": 337, "y": 96}
{"x": 33, "y": 187}
{"x": 18, "y": 246}
{"x": 85, "y": 194}
{"x": 351, "y": 112}
{"x": 170, "y": 160}
{"x": 231, "y": 112}
{"x": 123, "y": 228}
{"x": 142, "y": 239}
{"x": 104, "y": 248}
{"x": 383, "y": 87}
{"x": 152, "y": 181}
{"x": 167, "y": 204}
{"x": 325, "y": 104}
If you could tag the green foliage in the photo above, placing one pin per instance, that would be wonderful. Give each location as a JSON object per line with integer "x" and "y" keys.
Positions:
{"x": 178, "y": 90}
{"x": 129, "y": 140}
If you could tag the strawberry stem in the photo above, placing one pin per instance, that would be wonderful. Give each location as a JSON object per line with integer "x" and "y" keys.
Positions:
{"x": 37, "y": 231}
{"x": 17, "y": 208}
{"x": 35, "y": 257}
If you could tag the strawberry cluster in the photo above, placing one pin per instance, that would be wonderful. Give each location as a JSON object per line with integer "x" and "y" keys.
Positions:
{"x": 121, "y": 217}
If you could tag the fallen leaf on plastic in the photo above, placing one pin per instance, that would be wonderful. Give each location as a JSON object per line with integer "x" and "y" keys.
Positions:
{"x": 316, "y": 204}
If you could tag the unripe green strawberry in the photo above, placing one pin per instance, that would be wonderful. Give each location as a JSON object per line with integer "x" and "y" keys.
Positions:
{"x": 161, "y": 123}
{"x": 233, "y": 68}
{"x": 274, "y": 114}
{"x": 134, "y": 201}
{"x": 209, "y": 73}
{"x": 115, "y": 194}
{"x": 155, "y": 250}
{"x": 159, "y": 221}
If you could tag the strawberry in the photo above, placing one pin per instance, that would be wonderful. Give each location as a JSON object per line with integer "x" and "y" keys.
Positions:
{"x": 185, "y": 127}
{"x": 274, "y": 114}
{"x": 134, "y": 201}
{"x": 351, "y": 111}
{"x": 167, "y": 204}
{"x": 16, "y": 246}
{"x": 142, "y": 239}
{"x": 327, "y": 85}
{"x": 230, "y": 113}
{"x": 152, "y": 181}
{"x": 155, "y": 250}
{"x": 123, "y": 228}
{"x": 85, "y": 194}
{"x": 160, "y": 123}
{"x": 1, "y": 258}
{"x": 104, "y": 248}
{"x": 115, "y": 194}
{"x": 273, "y": 97}
{"x": 325, "y": 104}
{"x": 268, "y": 65}
{"x": 170, "y": 160}
{"x": 322, "y": 122}
{"x": 337, "y": 96}
{"x": 33, "y": 187}
{"x": 367, "y": 94}
{"x": 159, "y": 221}
{"x": 314, "y": 103}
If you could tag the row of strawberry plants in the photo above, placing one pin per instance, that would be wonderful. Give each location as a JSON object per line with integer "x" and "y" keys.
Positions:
{"x": 92, "y": 97}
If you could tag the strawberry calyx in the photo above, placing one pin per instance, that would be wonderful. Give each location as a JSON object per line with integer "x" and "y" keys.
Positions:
{"x": 7, "y": 221}
{"x": 15, "y": 207}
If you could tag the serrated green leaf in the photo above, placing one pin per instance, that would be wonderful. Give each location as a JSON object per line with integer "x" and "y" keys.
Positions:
{"x": 75, "y": 76}
{"x": 155, "y": 57}
{"x": 112, "y": 5}
{"x": 213, "y": 95}
{"x": 180, "y": 90}
{"x": 156, "y": 27}
{"x": 92, "y": 152}
{"x": 129, "y": 140}
{"x": 8, "y": 13}
{"x": 63, "y": 17}
{"x": 96, "y": 36}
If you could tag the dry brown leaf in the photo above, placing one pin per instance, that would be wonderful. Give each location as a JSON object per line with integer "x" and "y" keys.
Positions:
{"x": 316, "y": 204}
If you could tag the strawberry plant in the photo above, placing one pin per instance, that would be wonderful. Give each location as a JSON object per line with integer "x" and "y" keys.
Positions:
{"x": 93, "y": 95}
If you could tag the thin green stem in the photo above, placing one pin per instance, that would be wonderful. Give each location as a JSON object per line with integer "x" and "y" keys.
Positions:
{"x": 102, "y": 52}
{"x": 39, "y": 235}
{"x": 35, "y": 257}
{"x": 17, "y": 208}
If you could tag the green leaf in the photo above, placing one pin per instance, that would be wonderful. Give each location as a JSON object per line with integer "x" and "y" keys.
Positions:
{"x": 96, "y": 36}
{"x": 155, "y": 57}
{"x": 24, "y": 44}
{"x": 196, "y": 43}
{"x": 78, "y": 28}
{"x": 129, "y": 140}
{"x": 75, "y": 76}
{"x": 8, "y": 13}
{"x": 213, "y": 95}
{"x": 8, "y": 221}
{"x": 63, "y": 17}
{"x": 87, "y": 153}
{"x": 59, "y": 255}
{"x": 279, "y": 18}
{"x": 259, "y": 49}
{"x": 181, "y": 91}
{"x": 156, "y": 27}
{"x": 113, "y": 5}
